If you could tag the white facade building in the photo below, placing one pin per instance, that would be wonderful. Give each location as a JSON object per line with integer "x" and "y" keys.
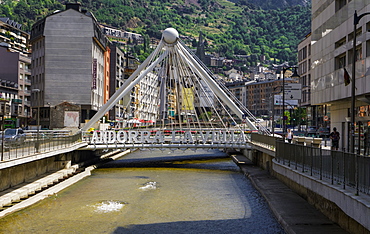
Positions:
{"x": 332, "y": 40}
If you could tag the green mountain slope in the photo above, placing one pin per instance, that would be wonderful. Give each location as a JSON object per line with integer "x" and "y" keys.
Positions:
{"x": 229, "y": 28}
{"x": 272, "y": 4}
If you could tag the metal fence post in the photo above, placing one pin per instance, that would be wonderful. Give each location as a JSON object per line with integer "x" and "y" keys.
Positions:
{"x": 321, "y": 163}
{"x": 344, "y": 170}
{"x": 303, "y": 157}
{"x": 290, "y": 155}
{"x": 357, "y": 174}
{"x": 332, "y": 167}
{"x": 284, "y": 151}
{"x": 295, "y": 158}
{"x": 2, "y": 138}
{"x": 311, "y": 149}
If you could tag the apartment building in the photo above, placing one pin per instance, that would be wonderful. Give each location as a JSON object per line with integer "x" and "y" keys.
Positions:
{"x": 142, "y": 96}
{"x": 119, "y": 34}
{"x": 332, "y": 54}
{"x": 70, "y": 63}
{"x": 117, "y": 78}
{"x": 147, "y": 96}
{"x": 12, "y": 35}
{"x": 15, "y": 72}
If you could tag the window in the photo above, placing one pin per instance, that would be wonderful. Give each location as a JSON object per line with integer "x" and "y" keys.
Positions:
{"x": 302, "y": 54}
{"x": 339, "y": 4}
{"x": 358, "y": 33}
{"x": 368, "y": 48}
{"x": 340, "y": 61}
{"x": 340, "y": 42}
{"x": 304, "y": 81}
{"x": 358, "y": 54}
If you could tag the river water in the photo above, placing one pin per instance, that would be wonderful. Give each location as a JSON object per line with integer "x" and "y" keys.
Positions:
{"x": 153, "y": 192}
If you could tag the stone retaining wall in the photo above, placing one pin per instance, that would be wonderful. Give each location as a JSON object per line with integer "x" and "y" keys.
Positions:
{"x": 16, "y": 174}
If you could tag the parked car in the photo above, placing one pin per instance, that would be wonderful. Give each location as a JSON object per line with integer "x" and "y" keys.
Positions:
{"x": 323, "y": 132}
{"x": 311, "y": 131}
{"x": 14, "y": 136}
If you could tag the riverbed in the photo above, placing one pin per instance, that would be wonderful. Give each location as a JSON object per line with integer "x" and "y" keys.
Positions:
{"x": 153, "y": 192}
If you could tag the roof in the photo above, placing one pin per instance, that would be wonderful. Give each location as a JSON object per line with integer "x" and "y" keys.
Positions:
{"x": 11, "y": 23}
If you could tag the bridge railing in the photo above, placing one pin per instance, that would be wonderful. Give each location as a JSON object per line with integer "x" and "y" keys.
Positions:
{"x": 165, "y": 138}
{"x": 335, "y": 167}
{"x": 32, "y": 145}
{"x": 266, "y": 141}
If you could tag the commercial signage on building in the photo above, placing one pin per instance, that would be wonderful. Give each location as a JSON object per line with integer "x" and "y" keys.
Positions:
{"x": 94, "y": 73}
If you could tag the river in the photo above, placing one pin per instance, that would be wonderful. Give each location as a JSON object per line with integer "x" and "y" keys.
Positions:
{"x": 153, "y": 192}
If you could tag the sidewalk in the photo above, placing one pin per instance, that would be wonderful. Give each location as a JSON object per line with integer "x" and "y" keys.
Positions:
{"x": 294, "y": 213}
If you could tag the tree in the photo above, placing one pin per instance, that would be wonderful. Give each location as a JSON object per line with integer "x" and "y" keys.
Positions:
{"x": 299, "y": 116}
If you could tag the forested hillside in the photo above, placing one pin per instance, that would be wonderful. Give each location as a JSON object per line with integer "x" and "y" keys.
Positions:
{"x": 272, "y": 4}
{"x": 229, "y": 28}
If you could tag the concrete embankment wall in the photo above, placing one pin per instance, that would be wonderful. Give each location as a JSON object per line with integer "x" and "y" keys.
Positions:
{"x": 351, "y": 212}
{"x": 344, "y": 207}
{"x": 13, "y": 173}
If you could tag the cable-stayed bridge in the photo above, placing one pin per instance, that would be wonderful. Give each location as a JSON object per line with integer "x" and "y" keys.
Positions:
{"x": 179, "y": 104}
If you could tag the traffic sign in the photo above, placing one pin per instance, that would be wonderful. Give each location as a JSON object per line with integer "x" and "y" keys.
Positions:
{"x": 292, "y": 86}
{"x": 293, "y": 91}
{"x": 293, "y": 94}
{"x": 278, "y": 101}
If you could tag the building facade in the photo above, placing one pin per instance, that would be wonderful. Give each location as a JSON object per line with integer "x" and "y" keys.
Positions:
{"x": 332, "y": 55}
{"x": 262, "y": 98}
{"x": 12, "y": 35}
{"x": 122, "y": 35}
{"x": 15, "y": 72}
{"x": 69, "y": 62}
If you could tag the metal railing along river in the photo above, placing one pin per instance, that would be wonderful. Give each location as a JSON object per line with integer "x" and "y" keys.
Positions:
{"x": 46, "y": 141}
{"x": 336, "y": 167}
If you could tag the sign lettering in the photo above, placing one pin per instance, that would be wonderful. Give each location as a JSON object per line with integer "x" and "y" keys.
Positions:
{"x": 137, "y": 136}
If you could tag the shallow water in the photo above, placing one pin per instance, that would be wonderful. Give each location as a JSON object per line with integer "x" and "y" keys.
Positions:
{"x": 166, "y": 192}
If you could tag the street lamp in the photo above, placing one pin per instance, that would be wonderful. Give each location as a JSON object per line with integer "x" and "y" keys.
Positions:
{"x": 356, "y": 20}
{"x": 294, "y": 75}
{"x": 37, "y": 145}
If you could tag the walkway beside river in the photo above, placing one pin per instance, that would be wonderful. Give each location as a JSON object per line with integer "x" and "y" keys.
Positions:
{"x": 294, "y": 213}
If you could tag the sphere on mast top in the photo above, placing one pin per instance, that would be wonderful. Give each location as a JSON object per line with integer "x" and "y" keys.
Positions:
{"x": 170, "y": 35}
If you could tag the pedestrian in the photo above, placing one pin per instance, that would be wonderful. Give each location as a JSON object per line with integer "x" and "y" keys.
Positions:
{"x": 334, "y": 136}
{"x": 289, "y": 135}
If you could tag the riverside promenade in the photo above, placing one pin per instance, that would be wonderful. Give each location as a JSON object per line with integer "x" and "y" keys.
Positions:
{"x": 293, "y": 212}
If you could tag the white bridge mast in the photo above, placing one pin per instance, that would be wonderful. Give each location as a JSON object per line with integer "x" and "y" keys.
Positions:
{"x": 178, "y": 58}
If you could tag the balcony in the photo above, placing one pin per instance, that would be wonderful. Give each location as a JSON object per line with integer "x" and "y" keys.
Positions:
{"x": 27, "y": 81}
